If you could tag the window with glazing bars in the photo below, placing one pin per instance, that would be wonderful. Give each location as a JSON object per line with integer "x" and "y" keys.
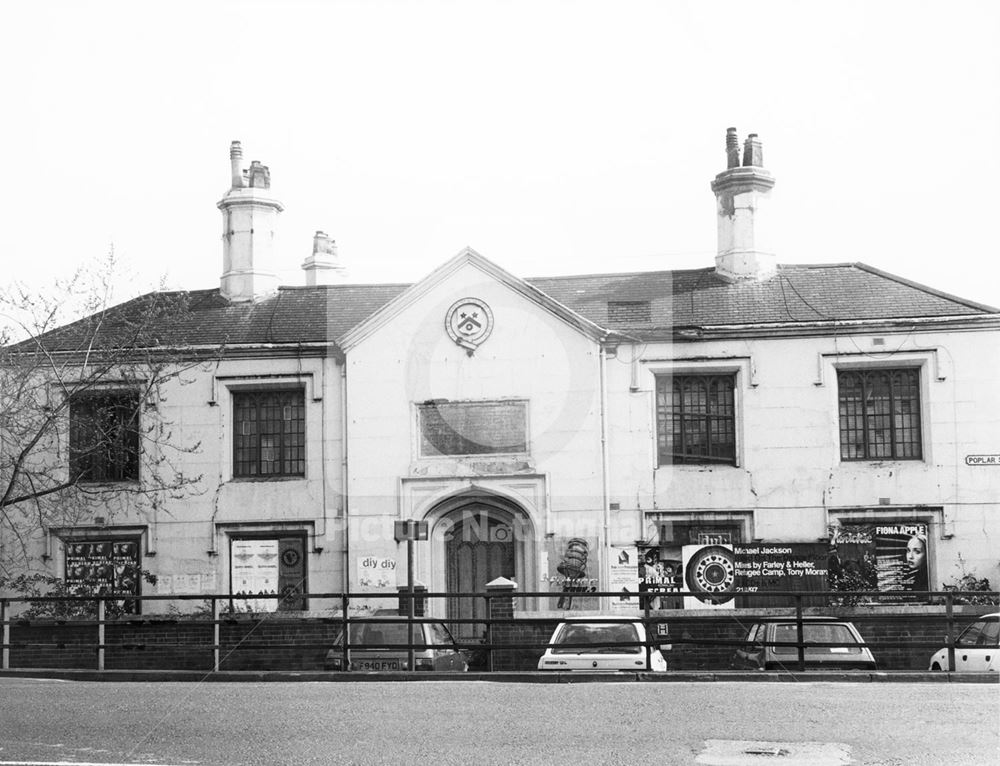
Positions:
{"x": 696, "y": 419}
{"x": 879, "y": 414}
{"x": 104, "y": 436}
{"x": 269, "y": 434}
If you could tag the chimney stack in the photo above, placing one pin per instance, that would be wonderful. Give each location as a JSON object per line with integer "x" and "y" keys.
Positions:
{"x": 743, "y": 194}
{"x": 249, "y": 220}
{"x": 323, "y": 267}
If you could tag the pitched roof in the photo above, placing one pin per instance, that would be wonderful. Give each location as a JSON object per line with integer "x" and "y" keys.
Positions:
{"x": 804, "y": 293}
{"x": 677, "y": 299}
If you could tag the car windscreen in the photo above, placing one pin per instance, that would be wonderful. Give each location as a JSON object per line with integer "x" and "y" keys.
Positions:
{"x": 983, "y": 632}
{"x": 595, "y": 638}
{"x": 439, "y": 634}
{"x": 365, "y": 635}
{"x": 823, "y": 634}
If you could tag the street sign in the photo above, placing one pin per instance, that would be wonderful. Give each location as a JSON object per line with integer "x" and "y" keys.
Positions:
{"x": 982, "y": 459}
{"x": 411, "y": 529}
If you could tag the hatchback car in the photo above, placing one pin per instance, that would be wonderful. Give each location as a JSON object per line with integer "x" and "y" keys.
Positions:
{"x": 602, "y": 643}
{"x": 977, "y": 649}
{"x": 843, "y": 650}
{"x": 380, "y": 645}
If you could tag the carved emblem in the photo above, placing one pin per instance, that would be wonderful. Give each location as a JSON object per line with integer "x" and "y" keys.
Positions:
{"x": 469, "y": 322}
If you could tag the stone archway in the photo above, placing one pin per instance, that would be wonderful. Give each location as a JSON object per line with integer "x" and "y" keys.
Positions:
{"x": 478, "y": 537}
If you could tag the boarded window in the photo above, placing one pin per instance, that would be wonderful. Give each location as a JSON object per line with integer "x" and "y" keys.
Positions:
{"x": 473, "y": 428}
{"x": 108, "y": 567}
{"x": 268, "y": 573}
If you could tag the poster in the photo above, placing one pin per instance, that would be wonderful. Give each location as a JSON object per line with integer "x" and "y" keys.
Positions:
{"x": 882, "y": 557}
{"x": 255, "y": 573}
{"x": 660, "y": 578}
{"x": 710, "y": 574}
{"x": 624, "y": 574}
{"x": 762, "y": 567}
{"x": 377, "y": 572}
{"x": 572, "y": 572}
{"x": 105, "y": 566}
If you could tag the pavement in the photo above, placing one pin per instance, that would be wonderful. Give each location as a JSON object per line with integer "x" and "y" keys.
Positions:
{"x": 530, "y": 677}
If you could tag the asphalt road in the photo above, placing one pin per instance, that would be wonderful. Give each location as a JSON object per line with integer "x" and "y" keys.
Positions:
{"x": 463, "y": 722}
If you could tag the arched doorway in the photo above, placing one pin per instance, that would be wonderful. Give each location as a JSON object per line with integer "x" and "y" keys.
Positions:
{"x": 483, "y": 538}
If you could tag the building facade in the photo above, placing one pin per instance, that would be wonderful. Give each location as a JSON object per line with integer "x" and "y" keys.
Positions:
{"x": 659, "y": 431}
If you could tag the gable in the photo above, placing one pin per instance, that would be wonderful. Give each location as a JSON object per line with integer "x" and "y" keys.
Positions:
{"x": 471, "y": 268}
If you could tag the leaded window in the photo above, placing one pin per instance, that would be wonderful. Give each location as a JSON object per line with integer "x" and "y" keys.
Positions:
{"x": 104, "y": 436}
{"x": 696, "y": 419}
{"x": 269, "y": 434}
{"x": 879, "y": 414}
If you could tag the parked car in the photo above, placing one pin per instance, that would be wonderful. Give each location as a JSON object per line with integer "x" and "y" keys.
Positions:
{"x": 843, "y": 653}
{"x": 602, "y": 643}
{"x": 381, "y": 646}
{"x": 977, "y": 649}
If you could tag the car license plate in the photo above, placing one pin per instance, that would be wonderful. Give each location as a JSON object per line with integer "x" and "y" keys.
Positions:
{"x": 377, "y": 665}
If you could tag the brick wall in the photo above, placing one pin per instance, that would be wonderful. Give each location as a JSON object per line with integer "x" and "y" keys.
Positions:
{"x": 879, "y": 626}
{"x": 300, "y": 643}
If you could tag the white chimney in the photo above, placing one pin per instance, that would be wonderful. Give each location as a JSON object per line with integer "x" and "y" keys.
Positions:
{"x": 743, "y": 198}
{"x": 323, "y": 267}
{"x": 249, "y": 219}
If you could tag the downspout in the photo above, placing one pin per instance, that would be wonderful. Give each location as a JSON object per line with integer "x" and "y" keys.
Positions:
{"x": 344, "y": 476}
{"x": 605, "y": 485}
{"x": 324, "y": 433}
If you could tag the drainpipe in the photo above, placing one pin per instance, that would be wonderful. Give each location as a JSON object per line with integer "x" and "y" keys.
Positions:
{"x": 323, "y": 435}
{"x": 344, "y": 475}
{"x": 605, "y": 488}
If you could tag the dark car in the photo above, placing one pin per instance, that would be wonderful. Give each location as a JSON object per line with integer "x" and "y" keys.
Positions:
{"x": 381, "y": 645}
{"x": 844, "y": 650}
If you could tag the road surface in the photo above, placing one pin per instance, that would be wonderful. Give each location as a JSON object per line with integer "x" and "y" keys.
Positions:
{"x": 475, "y": 722}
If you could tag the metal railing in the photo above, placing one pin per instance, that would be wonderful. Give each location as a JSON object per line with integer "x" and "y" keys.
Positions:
{"x": 217, "y": 612}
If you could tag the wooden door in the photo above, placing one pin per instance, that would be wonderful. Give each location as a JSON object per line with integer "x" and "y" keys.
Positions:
{"x": 471, "y": 563}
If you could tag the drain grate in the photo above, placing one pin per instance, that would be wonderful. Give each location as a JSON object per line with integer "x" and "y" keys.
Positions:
{"x": 729, "y": 752}
{"x": 766, "y": 751}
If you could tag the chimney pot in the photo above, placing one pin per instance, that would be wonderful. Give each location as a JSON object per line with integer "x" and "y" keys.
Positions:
{"x": 732, "y": 149}
{"x": 235, "y": 157}
{"x": 753, "y": 152}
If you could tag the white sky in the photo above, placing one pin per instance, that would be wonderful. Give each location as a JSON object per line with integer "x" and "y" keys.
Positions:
{"x": 552, "y": 137}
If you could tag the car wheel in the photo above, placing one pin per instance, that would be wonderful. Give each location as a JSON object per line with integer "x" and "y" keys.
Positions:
{"x": 936, "y": 667}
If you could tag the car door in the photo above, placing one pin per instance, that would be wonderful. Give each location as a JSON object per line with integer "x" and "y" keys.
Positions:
{"x": 977, "y": 646}
{"x": 749, "y": 656}
{"x": 447, "y": 657}
{"x": 966, "y": 647}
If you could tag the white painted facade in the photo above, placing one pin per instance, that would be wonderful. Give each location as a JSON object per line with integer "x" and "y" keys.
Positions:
{"x": 589, "y": 469}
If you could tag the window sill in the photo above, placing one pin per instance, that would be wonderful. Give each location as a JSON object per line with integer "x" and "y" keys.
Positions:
{"x": 696, "y": 466}
{"x": 256, "y": 479}
{"x": 109, "y": 483}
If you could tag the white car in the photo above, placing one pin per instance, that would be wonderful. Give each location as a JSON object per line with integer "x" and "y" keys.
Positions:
{"x": 603, "y": 643}
{"x": 977, "y": 649}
